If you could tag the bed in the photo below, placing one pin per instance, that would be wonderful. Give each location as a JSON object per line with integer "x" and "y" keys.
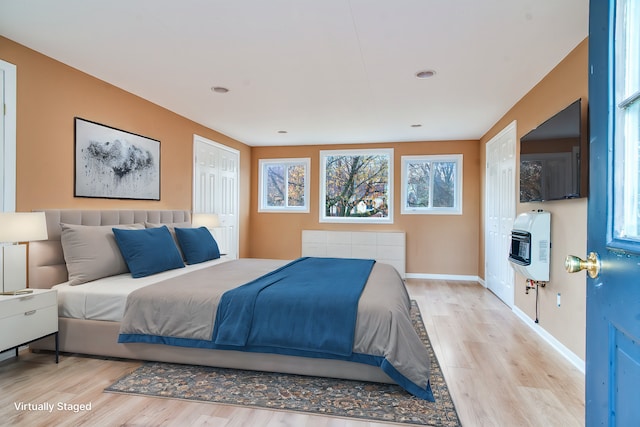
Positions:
{"x": 94, "y": 315}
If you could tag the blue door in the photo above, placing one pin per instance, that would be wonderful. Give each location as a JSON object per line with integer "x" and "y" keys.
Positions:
{"x": 613, "y": 296}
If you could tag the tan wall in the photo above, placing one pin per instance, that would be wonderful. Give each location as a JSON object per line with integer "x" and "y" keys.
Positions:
{"x": 563, "y": 85}
{"x": 436, "y": 244}
{"x": 51, "y": 94}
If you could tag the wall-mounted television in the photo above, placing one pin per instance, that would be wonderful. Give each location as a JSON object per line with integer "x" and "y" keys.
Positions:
{"x": 554, "y": 158}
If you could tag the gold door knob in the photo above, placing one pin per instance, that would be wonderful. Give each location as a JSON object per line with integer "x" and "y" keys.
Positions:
{"x": 574, "y": 264}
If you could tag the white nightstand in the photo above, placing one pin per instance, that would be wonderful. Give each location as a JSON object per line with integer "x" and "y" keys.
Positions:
{"x": 28, "y": 317}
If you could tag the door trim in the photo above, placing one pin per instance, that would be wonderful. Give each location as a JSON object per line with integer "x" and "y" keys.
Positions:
{"x": 9, "y": 141}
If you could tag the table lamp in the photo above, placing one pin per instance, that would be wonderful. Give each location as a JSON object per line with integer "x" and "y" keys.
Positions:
{"x": 17, "y": 227}
{"x": 208, "y": 220}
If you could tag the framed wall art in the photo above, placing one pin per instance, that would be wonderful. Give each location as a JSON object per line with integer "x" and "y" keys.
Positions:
{"x": 115, "y": 164}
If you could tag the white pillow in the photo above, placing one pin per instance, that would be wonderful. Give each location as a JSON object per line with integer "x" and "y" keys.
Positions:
{"x": 91, "y": 252}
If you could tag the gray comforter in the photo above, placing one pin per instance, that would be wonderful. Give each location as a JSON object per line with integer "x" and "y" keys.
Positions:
{"x": 185, "y": 307}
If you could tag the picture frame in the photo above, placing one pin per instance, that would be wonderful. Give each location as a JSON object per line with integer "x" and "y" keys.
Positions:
{"x": 111, "y": 163}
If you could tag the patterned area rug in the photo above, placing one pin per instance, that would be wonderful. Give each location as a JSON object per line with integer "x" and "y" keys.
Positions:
{"x": 320, "y": 396}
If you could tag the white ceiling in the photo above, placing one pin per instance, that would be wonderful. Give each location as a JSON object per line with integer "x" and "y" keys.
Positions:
{"x": 326, "y": 71}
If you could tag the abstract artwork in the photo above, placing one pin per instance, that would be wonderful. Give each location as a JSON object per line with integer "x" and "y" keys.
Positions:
{"x": 114, "y": 164}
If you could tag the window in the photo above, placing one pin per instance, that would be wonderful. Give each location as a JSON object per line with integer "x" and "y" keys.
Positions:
{"x": 627, "y": 120}
{"x": 284, "y": 185}
{"x": 356, "y": 186}
{"x": 432, "y": 184}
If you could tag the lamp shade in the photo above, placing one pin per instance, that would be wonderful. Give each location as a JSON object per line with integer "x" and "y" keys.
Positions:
{"x": 22, "y": 227}
{"x": 208, "y": 220}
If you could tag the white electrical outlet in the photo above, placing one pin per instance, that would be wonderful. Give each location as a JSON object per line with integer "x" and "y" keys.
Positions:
{"x": 558, "y": 298}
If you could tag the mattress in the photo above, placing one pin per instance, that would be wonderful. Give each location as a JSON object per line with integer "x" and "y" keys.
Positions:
{"x": 105, "y": 299}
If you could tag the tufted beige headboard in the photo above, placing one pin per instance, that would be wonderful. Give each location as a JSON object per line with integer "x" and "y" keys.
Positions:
{"x": 46, "y": 259}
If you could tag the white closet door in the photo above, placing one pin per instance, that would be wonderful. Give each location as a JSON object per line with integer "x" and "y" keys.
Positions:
{"x": 500, "y": 209}
{"x": 2, "y": 137}
{"x": 215, "y": 189}
{"x": 8, "y": 101}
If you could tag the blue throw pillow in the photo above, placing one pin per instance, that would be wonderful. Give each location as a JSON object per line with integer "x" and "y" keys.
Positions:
{"x": 148, "y": 251}
{"x": 197, "y": 244}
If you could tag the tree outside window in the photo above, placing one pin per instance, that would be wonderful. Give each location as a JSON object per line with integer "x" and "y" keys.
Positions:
{"x": 356, "y": 186}
{"x": 284, "y": 185}
{"x": 432, "y": 184}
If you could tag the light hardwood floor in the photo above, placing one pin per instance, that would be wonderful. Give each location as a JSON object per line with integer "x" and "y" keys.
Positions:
{"x": 499, "y": 372}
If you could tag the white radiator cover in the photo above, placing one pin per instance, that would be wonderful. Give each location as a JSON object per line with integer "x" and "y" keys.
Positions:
{"x": 384, "y": 246}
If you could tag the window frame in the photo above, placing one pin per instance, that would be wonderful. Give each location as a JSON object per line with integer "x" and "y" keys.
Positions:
{"x": 286, "y": 162}
{"x": 324, "y": 154}
{"x": 457, "y": 208}
{"x": 626, "y": 111}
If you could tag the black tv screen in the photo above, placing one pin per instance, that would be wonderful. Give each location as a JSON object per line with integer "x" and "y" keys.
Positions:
{"x": 553, "y": 158}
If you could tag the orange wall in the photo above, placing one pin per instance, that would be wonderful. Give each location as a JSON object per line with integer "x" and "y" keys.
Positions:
{"x": 436, "y": 244}
{"x": 563, "y": 85}
{"x": 51, "y": 94}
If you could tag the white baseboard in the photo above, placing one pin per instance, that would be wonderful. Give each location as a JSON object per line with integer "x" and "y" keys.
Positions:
{"x": 7, "y": 355}
{"x": 456, "y": 277}
{"x": 557, "y": 345}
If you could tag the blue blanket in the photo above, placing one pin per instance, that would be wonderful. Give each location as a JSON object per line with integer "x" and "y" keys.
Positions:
{"x": 310, "y": 304}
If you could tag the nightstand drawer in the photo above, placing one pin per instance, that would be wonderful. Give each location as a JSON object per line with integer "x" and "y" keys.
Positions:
{"x": 20, "y": 304}
{"x": 28, "y": 326}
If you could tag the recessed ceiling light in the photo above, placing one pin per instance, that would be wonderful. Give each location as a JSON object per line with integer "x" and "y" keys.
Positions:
{"x": 425, "y": 74}
{"x": 219, "y": 89}
{"x": 416, "y": 125}
{"x": 282, "y": 131}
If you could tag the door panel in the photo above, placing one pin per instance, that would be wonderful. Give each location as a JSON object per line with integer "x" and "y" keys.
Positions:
{"x": 2, "y": 142}
{"x": 500, "y": 213}
{"x": 8, "y": 104}
{"x": 613, "y": 298}
{"x": 624, "y": 375}
{"x": 216, "y": 190}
